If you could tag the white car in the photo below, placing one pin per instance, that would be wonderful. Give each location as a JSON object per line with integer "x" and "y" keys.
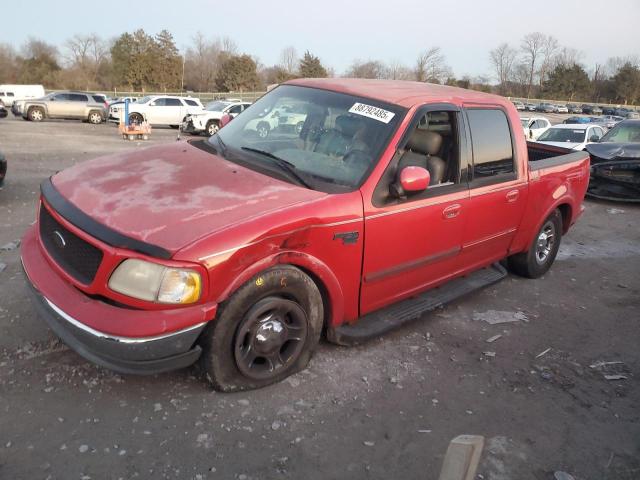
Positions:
{"x": 561, "y": 109}
{"x": 572, "y": 135}
{"x": 533, "y": 127}
{"x": 163, "y": 109}
{"x": 116, "y": 108}
{"x": 282, "y": 117}
{"x": 208, "y": 120}
{"x": 13, "y": 93}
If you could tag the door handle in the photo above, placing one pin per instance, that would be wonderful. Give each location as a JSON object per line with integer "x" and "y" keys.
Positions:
{"x": 512, "y": 196}
{"x": 451, "y": 211}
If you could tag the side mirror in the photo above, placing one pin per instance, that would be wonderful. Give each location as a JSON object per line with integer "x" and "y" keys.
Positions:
{"x": 411, "y": 180}
{"x": 594, "y": 138}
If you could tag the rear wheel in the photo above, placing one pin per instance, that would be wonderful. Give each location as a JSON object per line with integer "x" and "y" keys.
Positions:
{"x": 95, "y": 117}
{"x": 542, "y": 251}
{"x": 36, "y": 114}
{"x": 135, "y": 119}
{"x": 265, "y": 332}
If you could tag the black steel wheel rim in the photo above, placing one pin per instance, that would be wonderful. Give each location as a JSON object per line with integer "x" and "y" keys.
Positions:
{"x": 270, "y": 338}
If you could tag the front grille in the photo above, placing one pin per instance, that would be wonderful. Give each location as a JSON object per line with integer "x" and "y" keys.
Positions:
{"x": 77, "y": 257}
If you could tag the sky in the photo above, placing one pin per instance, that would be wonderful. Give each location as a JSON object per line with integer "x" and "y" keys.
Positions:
{"x": 339, "y": 31}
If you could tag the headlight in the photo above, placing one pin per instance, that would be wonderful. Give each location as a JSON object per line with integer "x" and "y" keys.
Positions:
{"x": 156, "y": 283}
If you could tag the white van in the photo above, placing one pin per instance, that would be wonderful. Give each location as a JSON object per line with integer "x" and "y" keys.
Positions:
{"x": 11, "y": 93}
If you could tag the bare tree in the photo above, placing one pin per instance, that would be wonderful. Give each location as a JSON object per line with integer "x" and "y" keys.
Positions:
{"x": 567, "y": 57}
{"x": 228, "y": 45}
{"x": 395, "y": 70}
{"x": 368, "y": 69}
{"x": 85, "y": 54}
{"x": 503, "y": 58}
{"x": 202, "y": 60}
{"x": 531, "y": 48}
{"x": 289, "y": 60}
{"x": 7, "y": 63}
{"x": 549, "y": 48}
{"x": 616, "y": 63}
{"x": 431, "y": 66}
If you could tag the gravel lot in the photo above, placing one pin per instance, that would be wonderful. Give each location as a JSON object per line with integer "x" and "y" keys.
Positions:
{"x": 385, "y": 410}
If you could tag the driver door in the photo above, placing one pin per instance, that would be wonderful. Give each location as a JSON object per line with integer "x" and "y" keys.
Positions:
{"x": 414, "y": 243}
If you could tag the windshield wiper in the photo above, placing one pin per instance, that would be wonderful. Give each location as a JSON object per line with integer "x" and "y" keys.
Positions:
{"x": 285, "y": 165}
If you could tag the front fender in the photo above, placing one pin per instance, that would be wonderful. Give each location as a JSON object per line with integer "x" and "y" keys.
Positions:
{"x": 317, "y": 269}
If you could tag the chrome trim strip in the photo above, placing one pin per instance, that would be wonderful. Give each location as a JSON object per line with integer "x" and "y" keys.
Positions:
{"x": 319, "y": 225}
{"x": 490, "y": 237}
{"x": 114, "y": 338}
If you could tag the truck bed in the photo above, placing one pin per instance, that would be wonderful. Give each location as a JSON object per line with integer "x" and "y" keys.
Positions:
{"x": 544, "y": 156}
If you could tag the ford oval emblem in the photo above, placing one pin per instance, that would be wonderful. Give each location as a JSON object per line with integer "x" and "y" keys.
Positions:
{"x": 59, "y": 239}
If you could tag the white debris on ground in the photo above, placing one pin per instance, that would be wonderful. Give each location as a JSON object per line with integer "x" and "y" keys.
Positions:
{"x": 494, "y": 317}
{"x": 615, "y": 211}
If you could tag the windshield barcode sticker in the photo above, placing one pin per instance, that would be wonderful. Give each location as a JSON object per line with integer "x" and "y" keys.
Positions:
{"x": 370, "y": 111}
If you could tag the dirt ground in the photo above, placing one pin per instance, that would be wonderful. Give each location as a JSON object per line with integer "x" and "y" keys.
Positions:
{"x": 385, "y": 410}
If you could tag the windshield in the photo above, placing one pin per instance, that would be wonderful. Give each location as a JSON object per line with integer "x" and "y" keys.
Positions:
{"x": 563, "y": 135}
{"x": 524, "y": 122}
{"x": 144, "y": 100}
{"x": 623, "y": 133}
{"x": 331, "y": 140}
{"x": 217, "y": 106}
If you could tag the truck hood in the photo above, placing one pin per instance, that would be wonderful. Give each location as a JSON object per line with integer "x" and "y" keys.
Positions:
{"x": 611, "y": 151}
{"x": 172, "y": 195}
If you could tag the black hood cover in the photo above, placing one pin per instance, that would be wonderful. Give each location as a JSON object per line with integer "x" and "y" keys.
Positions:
{"x": 612, "y": 151}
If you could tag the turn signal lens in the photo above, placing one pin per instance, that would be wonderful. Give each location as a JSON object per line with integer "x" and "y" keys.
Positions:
{"x": 179, "y": 286}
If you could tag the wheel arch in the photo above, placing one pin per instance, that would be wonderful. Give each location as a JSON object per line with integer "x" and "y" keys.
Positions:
{"x": 318, "y": 271}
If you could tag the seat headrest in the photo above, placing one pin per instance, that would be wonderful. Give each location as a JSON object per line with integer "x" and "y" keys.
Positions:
{"x": 425, "y": 142}
{"x": 348, "y": 125}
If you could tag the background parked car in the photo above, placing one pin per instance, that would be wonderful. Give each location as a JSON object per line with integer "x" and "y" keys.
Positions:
{"x": 579, "y": 120}
{"x": 573, "y": 108}
{"x": 591, "y": 109}
{"x": 163, "y": 109}
{"x": 116, "y": 107}
{"x": 574, "y": 136}
{"x": 561, "y": 109}
{"x": 531, "y": 107}
{"x": 534, "y": 126}
{"x": 519, "y": 105}
{"x": 208, "y": 120}
{"x": 608, "y": 110}
{"x": 3, "y": 112}
{"x": 632, "y": 115}
{"x": 545, "y": 108}
{"x": 12, "y": 93}
{"x": 609, "y": 120}
{"x": 71, "y": 105}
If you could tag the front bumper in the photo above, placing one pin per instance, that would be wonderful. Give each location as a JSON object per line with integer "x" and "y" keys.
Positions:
{"x": 67, "y": 311}
{"x": 189, "y": 127}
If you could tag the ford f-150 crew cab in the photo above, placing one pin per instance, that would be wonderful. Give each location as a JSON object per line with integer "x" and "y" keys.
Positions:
{"x": 240, "y": 250}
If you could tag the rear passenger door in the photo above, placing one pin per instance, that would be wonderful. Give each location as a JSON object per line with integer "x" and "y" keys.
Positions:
{"x": 77, "y": 105}
{"x": 497, "y": 190}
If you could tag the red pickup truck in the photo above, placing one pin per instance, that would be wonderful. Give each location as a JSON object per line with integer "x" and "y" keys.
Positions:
{"x": 240, "y": 250}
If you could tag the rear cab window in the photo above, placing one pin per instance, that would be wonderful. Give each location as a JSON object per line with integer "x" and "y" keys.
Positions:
{"x": 492, "y": 146}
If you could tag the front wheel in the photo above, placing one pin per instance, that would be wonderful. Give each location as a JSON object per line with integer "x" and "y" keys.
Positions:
{"x": 542, "y": 251}
{"x": 212, "y": 128}
{"x": 265, "y": 332}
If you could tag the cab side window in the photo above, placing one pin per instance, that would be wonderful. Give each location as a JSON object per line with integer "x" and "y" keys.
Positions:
{"x": 491, "y": 142}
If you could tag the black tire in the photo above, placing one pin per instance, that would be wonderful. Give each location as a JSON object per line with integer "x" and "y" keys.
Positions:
{"x": 263, "y": 129}
{"x": 95, "y": 117}
{"x": 247, "y": 334}
{"x": 212, "y": 128}
{"x": 175, "y": 127}
{"x": 543, "y": 249}
{"x": 135, "y": 118}
{"x": 36, "y": 114}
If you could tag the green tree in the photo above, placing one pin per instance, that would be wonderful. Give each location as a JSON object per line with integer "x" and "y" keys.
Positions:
{"x": 626, "y": 83}
{"x": 567, "y": 82}
{"x": 167, "y": 67}
{"x": 237, "y": 73}
{"x": 311, "y": 67}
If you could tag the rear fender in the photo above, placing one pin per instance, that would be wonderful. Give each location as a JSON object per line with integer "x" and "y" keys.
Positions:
{"x": 321, "y": 274}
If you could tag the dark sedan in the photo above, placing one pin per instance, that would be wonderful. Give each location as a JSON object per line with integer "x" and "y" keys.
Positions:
{"x": 3, "y": 168}
{"x": 615, "y": 163}
{"x": 3, "y": 112}
{"x": 546, "y": 108}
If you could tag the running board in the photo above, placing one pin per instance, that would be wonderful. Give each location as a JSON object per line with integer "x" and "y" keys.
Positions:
{"x": 394, "y": 316}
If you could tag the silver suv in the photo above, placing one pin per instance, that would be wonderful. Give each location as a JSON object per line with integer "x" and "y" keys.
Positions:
{"x": 91, "y": 107}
